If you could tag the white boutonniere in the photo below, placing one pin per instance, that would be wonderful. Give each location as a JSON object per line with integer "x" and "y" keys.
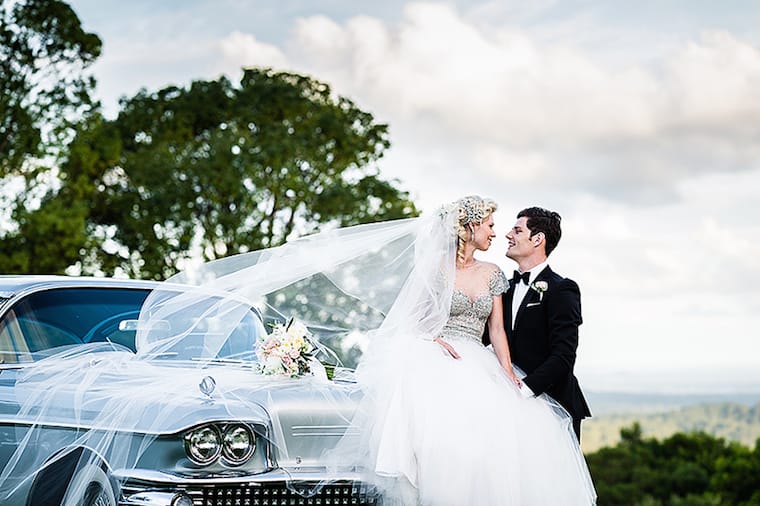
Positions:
{"x": 540, "y": 287}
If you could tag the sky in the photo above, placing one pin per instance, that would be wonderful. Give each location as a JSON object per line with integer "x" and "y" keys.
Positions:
{"x": 639, "y": 122}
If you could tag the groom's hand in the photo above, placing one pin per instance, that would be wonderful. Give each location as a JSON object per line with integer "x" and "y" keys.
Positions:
{"x": 446, "y": 346}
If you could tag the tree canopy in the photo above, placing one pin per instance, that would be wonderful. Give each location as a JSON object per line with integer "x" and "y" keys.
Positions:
{"x": 694, "y": 469}
{"x": 44, "y": 86}
{"x": 217, "y": 168}
{"x": 45, "y": 90}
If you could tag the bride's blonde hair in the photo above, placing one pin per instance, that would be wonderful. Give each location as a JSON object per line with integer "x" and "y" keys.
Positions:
{"x": 471, "y": 210}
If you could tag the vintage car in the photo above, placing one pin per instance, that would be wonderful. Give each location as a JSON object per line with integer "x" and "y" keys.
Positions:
{"x": 265, "y": 450}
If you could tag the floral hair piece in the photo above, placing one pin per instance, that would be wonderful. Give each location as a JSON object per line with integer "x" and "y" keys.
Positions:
{"x": 474, "y": 209}
{"x": 467, "y": 211}
{"x": 470, "y": 209}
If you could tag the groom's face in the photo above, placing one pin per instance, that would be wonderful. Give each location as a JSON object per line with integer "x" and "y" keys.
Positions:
{"x": 520, "y": 244}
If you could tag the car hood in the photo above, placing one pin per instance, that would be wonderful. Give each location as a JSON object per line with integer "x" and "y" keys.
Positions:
{"x": 122, "y": 394}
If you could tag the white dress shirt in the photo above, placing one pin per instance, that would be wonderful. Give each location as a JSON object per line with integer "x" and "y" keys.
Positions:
{"x": 522, "y": 289}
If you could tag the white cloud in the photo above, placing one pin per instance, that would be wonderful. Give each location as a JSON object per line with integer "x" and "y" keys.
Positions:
{"x": 506, "y": 96}
{"x": 522, "y": 108}
{"x": 244, "y": 50}
{"x": 671, "y": 285}
{"x": 714, "y": 84}
{"x": 524, "y": 166}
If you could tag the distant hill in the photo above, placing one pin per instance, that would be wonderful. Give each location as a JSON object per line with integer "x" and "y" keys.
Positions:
{"x": 605, "y": 403}
{"x": 660, "y": 418}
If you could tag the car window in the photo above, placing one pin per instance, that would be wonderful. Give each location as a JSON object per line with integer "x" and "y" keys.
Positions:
{"x": 44, "y": 322}
{"x": 211, "y": 337}
{"x": 51, "y": 319}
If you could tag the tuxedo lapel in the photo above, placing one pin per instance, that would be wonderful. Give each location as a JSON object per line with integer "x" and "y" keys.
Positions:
{"x": 507, "y": 309}
{"x": 520, "y": 310}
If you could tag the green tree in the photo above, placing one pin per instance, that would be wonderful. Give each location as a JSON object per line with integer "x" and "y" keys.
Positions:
{"x": 44, "y": 87}
{"x": 694, "y": 469}
{"x": 218, "y": 168}
{"x": 44, "y": 91}
{"x": 737, "y": 475}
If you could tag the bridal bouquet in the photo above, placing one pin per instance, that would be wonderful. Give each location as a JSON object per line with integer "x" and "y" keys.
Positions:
{"x": 286, "y": 351}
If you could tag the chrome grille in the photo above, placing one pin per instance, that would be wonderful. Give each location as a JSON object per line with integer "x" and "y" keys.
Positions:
{"x": 278, "y": 494}
{"x": 271, "y": 494}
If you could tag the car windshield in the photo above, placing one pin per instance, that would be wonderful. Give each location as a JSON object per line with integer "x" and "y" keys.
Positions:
{"x": 43, "y": 323}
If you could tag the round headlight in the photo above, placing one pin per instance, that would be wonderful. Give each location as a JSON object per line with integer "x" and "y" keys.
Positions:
{"x": 182, "y": 499}
{"x": 203, "y": 445}
{"x": 238, "y": 444}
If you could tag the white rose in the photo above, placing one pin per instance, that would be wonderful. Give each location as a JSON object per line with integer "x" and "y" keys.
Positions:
{"x": 273, "y": 365}
{"x": 297, "y": 329}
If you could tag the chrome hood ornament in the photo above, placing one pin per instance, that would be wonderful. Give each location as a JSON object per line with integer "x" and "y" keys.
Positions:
{"x": 207, "y": 386}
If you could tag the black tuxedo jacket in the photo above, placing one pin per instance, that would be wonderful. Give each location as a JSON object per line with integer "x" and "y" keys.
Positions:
{"x": 544, "y": 339}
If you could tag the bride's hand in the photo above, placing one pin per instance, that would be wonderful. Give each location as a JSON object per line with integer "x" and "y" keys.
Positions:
{"x": 446, "y": 346}
{"x": 514, "y": 378}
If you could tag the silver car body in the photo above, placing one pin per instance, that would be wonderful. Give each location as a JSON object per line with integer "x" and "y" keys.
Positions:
{"x": 288, "y": 455}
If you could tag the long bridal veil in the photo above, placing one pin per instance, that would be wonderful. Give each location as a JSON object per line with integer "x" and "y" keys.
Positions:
{"x": 347, "y": 280}
{"x": 375, "y": 284}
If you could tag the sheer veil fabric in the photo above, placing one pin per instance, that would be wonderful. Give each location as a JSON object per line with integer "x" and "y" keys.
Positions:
{"x": 363, "y": 282}
{"x": 388, "y": 285}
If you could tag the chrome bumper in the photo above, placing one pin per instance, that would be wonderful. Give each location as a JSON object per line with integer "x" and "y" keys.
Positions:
{"x": 275, "y": 488}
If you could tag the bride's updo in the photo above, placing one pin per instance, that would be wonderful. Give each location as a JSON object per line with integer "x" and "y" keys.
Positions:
{"x": 471, "y": 210}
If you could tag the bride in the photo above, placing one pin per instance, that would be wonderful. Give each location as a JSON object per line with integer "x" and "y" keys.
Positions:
{"x": 443, "y": 418}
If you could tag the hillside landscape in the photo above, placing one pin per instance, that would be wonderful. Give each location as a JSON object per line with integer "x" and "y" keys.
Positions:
{"x": 732, "y": 417}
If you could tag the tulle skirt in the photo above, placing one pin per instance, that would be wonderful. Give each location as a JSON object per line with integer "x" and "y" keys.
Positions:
{"x": 444, "y": 432}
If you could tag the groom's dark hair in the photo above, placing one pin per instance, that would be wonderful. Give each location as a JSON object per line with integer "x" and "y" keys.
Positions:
{"x": 543, "y": 220}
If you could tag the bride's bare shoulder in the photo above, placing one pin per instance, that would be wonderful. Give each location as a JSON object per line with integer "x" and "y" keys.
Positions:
{"x": 490, "y": 266}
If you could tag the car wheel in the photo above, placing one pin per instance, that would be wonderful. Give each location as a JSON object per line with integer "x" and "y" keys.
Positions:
{"x": 89, "y": 487}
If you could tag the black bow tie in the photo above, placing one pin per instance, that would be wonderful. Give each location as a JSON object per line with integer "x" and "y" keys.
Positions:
{"x": 517, "y": 277}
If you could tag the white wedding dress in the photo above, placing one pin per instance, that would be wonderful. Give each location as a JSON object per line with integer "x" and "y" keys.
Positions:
{"x": 460, "y": 433}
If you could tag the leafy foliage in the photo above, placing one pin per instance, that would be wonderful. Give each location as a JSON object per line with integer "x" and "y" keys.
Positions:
{"x": 43, "y": 84}
{"x": 216, "y": 169}
{"x": 694, "y": 469}
{"x": 44, "y": 90}
{"x": 227, "y": 169}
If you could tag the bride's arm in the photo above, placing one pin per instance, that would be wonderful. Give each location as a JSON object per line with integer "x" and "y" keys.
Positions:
{"x": 499, "y": 337}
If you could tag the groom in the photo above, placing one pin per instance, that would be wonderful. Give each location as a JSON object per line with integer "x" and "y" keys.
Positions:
{"x": 542, "y": 312}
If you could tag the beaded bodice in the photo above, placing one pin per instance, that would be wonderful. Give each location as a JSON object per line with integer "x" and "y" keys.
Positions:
{"x": 467, "y": 318}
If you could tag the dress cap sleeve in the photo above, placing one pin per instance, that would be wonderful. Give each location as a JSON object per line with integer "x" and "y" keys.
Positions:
{"x": 498, "y": 283}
